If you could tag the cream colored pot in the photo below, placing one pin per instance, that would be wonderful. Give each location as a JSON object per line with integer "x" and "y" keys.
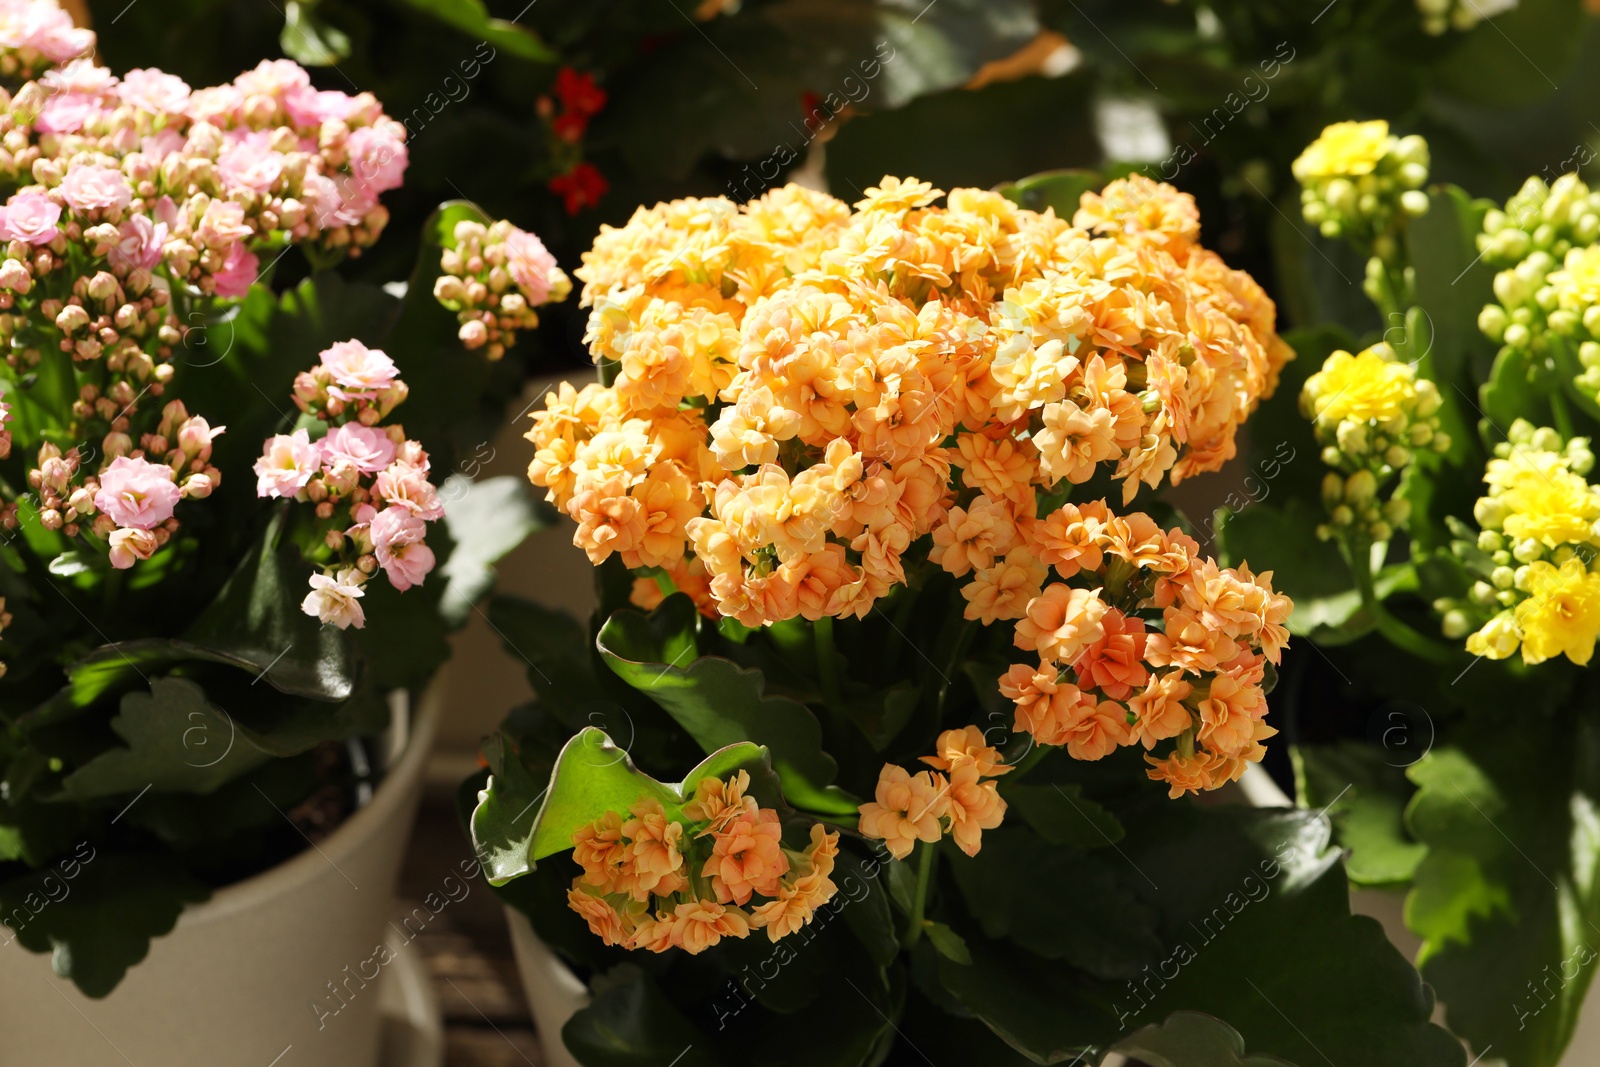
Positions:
{"x": 282, "y": 970}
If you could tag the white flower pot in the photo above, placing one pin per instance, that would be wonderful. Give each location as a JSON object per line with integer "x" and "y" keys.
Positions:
{"x": 554, "y": 993}
{"x": 248, "y": 977}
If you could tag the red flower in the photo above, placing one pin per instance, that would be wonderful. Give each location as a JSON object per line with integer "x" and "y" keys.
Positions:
{"x": 580, "y": 187}
{"x": 569, "y": 126}
{"x": 578, "y": 93}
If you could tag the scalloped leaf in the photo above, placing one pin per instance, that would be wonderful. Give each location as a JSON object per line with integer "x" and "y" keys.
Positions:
{"x": 514, "y": 826}
{"x": 720, "y": 703}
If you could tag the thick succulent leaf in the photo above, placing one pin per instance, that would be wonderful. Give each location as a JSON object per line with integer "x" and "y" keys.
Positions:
{"x": 486, "y": 519}
{"x": 472, "y": 18}
{"x": 1062, "y": 815}
{"x": 1365, "y": 797}
{"x": 718, "y": 702}
{"x": 1189, "y": 1039}
{"x": 1508, "y": 893}
{"x": 516, "y": 825}
{"x": 1059, "y": 190}
{"x": 177, "y": 742}
{"x": 103, "y": 924}
{"x": 1255, "y": 928}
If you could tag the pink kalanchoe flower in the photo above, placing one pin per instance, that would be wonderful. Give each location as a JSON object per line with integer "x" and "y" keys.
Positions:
{"x": 239, "y": 272}
{"x": 131, "y": 544}
{"x": 222, "y": 225}
{"x": 137, "y": 493}
{"x": 90, "y": 187}
{"x": 140, "y": 243}
{"x": 531, "y": 265}
{"x": 51, "y": 33}
{"x": 67, "y": 113}
{"x": 359, "y": 372}
{"x": 312, "y": 107}
{"x": 155, "y": 91}
{"x": 250, "y": 164}
{"x": 287, "y": 464}
{"x": 195, "y": 437}
{"x": 405, "y": 486}
{"x": 273, "y": 77}
{"x": 82, "y": 75}
{"x": 397, "y": 540}
{"x": 30, "y": 217}
{"x": 365, "y": 449}
{"x": 378, "y": 157}
{"x": 333, "y": 598}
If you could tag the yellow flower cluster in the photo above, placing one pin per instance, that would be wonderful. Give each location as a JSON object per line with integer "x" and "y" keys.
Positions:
{"x": 1360, "y": 181}
{"x": 1370, "y": 412}
{"x": 800, "y": 392}
{"x": 1548, "y": 242}
{"x": 1541, "y": 529}
{"x": 652, "y": 881}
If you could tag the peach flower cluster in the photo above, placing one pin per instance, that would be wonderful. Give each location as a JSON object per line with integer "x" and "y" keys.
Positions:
{"x": 800, "y": 393}
{"x": 718, "y": 868}
{"x": 493, "y": 278}
{"x": 1142, "y": 640}
{"x": 953, "y": 798}
{"x": 369, "y": 482}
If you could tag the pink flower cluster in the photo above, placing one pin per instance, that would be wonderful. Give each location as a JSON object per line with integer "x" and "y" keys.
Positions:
{"x": 369, "y": 482}
{"x": 129, "y": 504}
{"x": 493, "y": 279}
{"x": 36, "y": 35}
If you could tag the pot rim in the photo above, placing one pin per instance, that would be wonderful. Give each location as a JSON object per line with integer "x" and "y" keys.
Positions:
{"x": 388, "y": 800}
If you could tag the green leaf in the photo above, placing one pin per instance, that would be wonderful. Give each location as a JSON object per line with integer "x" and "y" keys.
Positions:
{"x": 863, "y": 884}
{"x": 1508, "y": 894}
{"x": 472, "y": 18}
{"x": 1189, "y": 1039}
{"x": 591, "y": 777}
{"x": 720, "y": 703}
{"x": 1060, "y": 190}
{"x": 486, "y": 519}
{"x": 553, "y": 644}
{"x": 1254, "y": 927}
{"x": 256, "y": 621}
{"x": 177, "y": 742}
{"x": 103, "y": 924}
{"x": 949, "y": 943}
{"x": 308, "y": 39}
{"x": 1062, "y": 815}
{"x": 1365, "y": 796}
{"x": 1519, "y": 58}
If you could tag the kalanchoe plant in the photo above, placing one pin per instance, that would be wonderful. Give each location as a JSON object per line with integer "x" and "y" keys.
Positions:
{"x": 170, "y": 689}
{"x": 857, "y": 484}
{"x": 1457, "y": 581}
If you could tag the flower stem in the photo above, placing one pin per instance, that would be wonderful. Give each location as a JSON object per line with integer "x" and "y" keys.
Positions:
{"x": 827, "y": 668}
{"x": 919, "y": 904}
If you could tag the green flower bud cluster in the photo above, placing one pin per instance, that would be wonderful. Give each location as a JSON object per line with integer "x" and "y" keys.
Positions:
{"x": 1539, "y": 509}
{"x": 1360, "y": 182}
{"x": 1439, "y": 16}
{"x": 1372, "y": 415}
{"x": 1548, "y": 242}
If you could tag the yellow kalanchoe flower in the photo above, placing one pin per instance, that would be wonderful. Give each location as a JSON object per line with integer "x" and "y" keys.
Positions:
{"x": 1562, "y": 613}
{"x": 1345, "y": 149}
{"x": 1369, "y": 386}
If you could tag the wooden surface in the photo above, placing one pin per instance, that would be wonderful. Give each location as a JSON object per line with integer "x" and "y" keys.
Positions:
{"x": 466, "y": 945}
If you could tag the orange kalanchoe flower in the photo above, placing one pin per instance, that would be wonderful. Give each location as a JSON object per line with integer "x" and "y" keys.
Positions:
{"x": 924, "y": 806}
{"x": 1159, "y": 643}
{"x": 657, "y": 881}
{"x": 804, "y": 392}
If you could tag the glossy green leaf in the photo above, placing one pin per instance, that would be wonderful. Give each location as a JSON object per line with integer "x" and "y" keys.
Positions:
{"x": 177, "y": 742}
{"x": 1062, "y": 815}
{"x": 97, "y": 912}
{"x": 1510, "y": 891}
{"x": 1189, "y": 1039}
{"x": 1365, "y": 796}
{"x": 720, "y": 703}
{"x": 1059, "y": 190}
{"x": 472, "y": 18}
{"x": 486, "y": 519}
